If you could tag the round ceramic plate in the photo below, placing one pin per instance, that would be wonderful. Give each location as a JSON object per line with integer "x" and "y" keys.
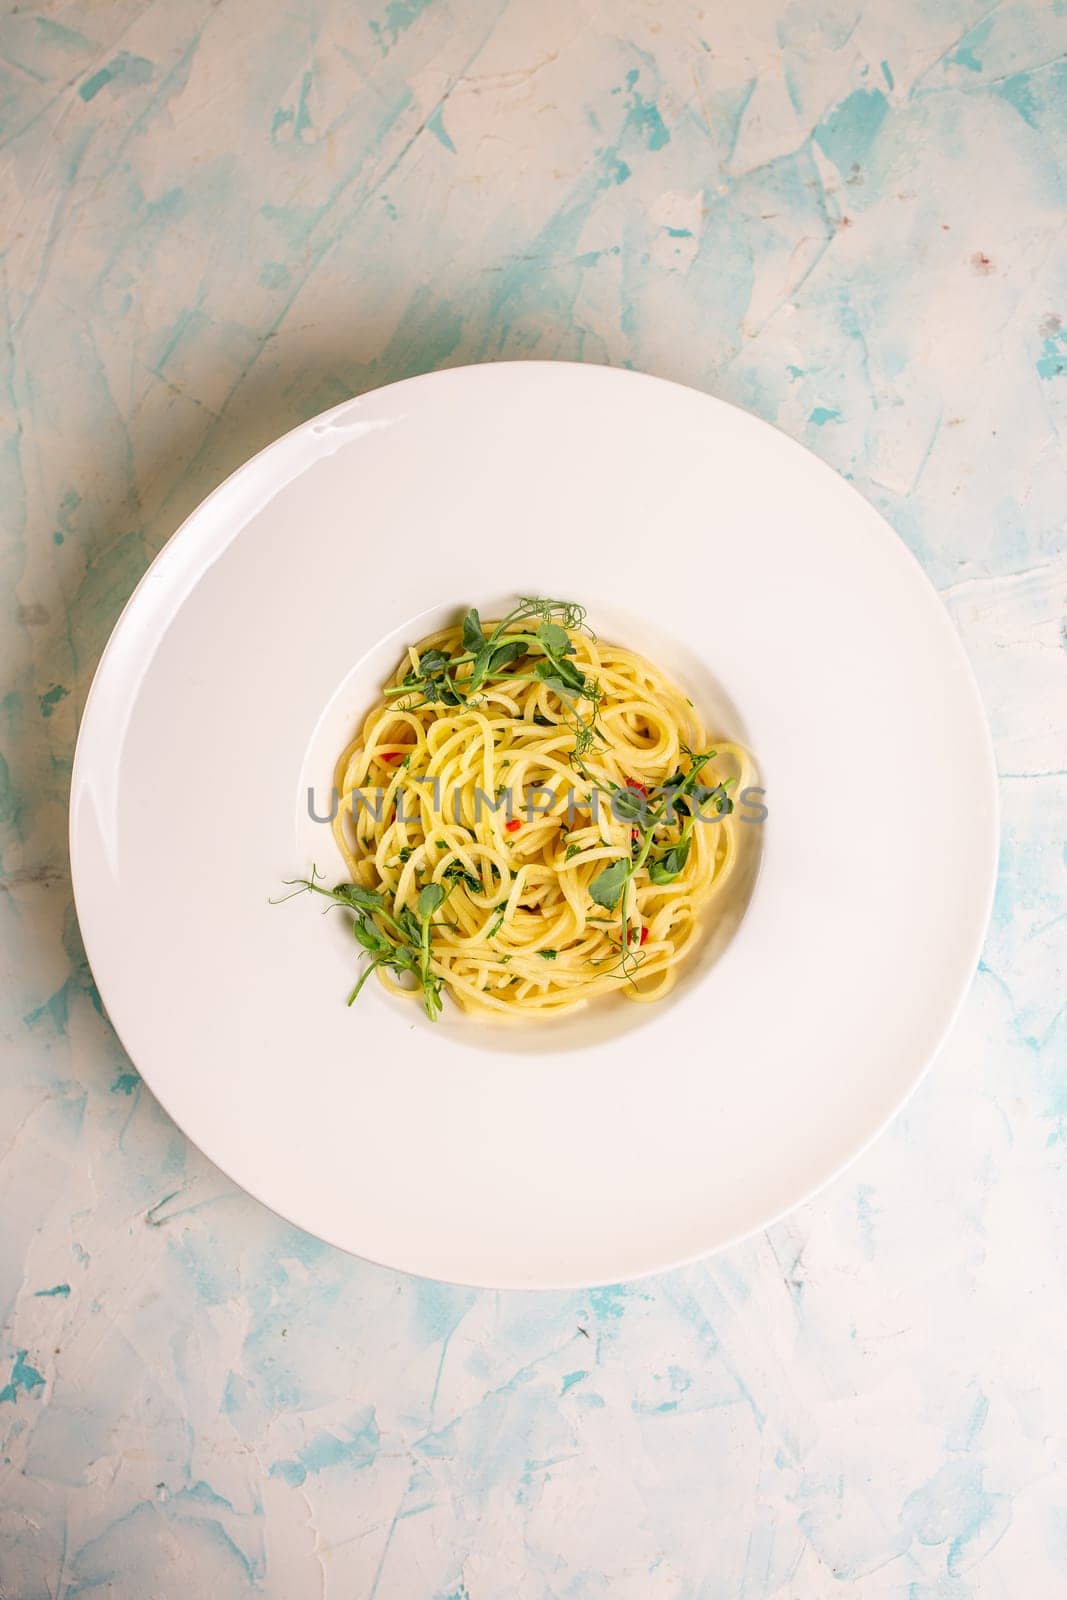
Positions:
{"x": 630, "y": 1138}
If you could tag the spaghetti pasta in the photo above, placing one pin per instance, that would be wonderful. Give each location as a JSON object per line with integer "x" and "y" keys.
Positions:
{"x": 532, "y": 818}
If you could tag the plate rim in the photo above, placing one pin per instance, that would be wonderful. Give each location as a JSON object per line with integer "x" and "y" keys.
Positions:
{"x": 890, "y": 539}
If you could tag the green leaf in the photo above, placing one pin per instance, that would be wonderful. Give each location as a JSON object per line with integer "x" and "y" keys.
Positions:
{"x": 608, "y": 885}
{"x": 572, "y": 850}
{"x": 473, "y": 637}
{"x": 562, "y": 676}
{"x": 492, "y": 659}
{"x": 504, "y": 654}
{"x": 555, "y": 640}
{"x": 432, "y": 663}
{"x": 479, "y": 668}
{"x": 571, "y": 676}
{"x": 669, "y": 865}
{"x": 370, "y": 938}
{"x": 718, "y": 797}
{"x": 430, "y": 899}
{"x": 548, "y": 955}
{"x": 629, "y": 805}
{"x": 352, "y": 894}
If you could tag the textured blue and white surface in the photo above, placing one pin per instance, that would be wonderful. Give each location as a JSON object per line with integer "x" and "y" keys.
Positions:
{"x": 220, "y": 218}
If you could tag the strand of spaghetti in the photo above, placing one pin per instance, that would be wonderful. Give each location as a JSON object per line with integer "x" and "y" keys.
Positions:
{"x": 423, "y": 798}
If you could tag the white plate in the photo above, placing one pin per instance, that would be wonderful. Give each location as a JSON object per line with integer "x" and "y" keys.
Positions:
{"x": 638, "y": 1137}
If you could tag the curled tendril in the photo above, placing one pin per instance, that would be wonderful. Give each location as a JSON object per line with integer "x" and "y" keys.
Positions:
{"x": 567, "y": 612}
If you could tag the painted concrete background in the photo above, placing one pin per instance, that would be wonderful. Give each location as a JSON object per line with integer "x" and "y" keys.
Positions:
{"x": 218, "y": 219}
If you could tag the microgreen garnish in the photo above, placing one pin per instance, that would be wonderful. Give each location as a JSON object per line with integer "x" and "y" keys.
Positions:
{"x": 608, "y": 885}
{"x": 668, "y": 866}
{"x": 431, "y": 897}
{"x": 681, "y": 796}
{"x": 473, "y": 637}
{"x": 533, "y": 646}
{"x": 454, "y": 680}
{"x": 396, "y": 938}
{"x": 458, "y": 873}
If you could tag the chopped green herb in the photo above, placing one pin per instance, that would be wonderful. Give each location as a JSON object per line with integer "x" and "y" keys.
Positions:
{"x": 458, "y": 873}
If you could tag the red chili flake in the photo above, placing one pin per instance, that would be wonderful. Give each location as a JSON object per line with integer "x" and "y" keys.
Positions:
{"x": 395, "y": 756}
{"x": 632, "y": 783}
{"x": 513, "y": 826}
{"x": 635, "y": 939}
{"x": 644, "y": 935}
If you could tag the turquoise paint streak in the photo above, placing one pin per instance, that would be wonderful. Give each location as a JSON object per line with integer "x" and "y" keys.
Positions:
{"x": 1020, "y": 92}
{"x": 399, "y": 16}
{"x": 1052, "y": 363}
{"x": 611, "y": 1302}
{"x": 847, "y": 134}
{"x": 966, "y": 53}
{"x": 956, "y": 1510}
{"x": 436, "y": 126}
{"x": 57, "y": 33}
{"x": 643, "y": 116}
{"x": 966, "y": 1437}
{"x": 24, "y": 1379}
{"x": 10, "y": 803}
{"x": 51, "y": 699}
{"x": 357, "y": 1448}
{"x": 126, "y": 70}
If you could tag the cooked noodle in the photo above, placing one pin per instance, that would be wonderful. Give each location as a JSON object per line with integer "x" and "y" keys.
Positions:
{"x": 519, "y": 933}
